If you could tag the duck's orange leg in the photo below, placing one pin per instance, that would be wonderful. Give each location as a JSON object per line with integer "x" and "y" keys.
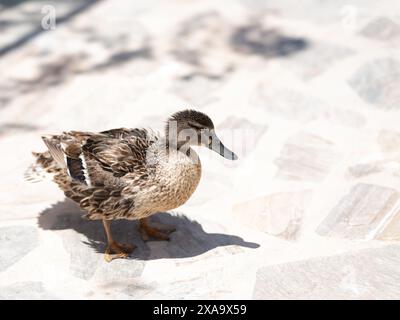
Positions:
{"x": 158, "y": 233}
{"x": 114, "y": 249}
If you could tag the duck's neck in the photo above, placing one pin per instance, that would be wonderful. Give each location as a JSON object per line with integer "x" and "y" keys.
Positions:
{"x": 171, "y": 136}
{"x": 173, "y": 143}
{"x": 177, "y": 145}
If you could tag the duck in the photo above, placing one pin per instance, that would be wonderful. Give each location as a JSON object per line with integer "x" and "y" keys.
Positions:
{"x": 130, "y": 173}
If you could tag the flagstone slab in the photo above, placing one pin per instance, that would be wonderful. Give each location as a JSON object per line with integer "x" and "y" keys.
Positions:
{"x": 377, "y": 82}
{"x": 307, "y": 67}
{"x": 29, "y": 290}
{"x": 389, "y": 142}
{"x": 366, "y": 212}
{"x": 364, "y": 169}
{"x": 364, "y": 274}
{"x": 15, "y": 243}
{"x": 368, "y": 168}
{"x": 382, "y": 29}
{"x": 306, "y": 157}
{"x": 279, "y": 214}
{"x": 241, "y": 133}
{"x": 294, "y": 105}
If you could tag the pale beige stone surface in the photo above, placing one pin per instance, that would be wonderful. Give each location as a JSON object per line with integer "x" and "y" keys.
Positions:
{"x": 279, "y": 214}
{"x": 367, "y": 212}
{"x": 389, "y": 142}
{"x": 306, "y": 157}
{"x": 382, "y": 28}
{"x": 357, "y": 275}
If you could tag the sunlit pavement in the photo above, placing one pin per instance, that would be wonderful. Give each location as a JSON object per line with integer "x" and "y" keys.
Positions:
{"x": 307, "y": 96}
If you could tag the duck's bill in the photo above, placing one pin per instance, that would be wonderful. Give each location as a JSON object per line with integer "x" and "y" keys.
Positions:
{"x": 217, "y": 146}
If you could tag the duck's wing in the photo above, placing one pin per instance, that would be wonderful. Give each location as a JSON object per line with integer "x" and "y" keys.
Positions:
{"x": 124, "y": 133}
{"x": 120, "y": 151}
{"x": 117, "y": 151}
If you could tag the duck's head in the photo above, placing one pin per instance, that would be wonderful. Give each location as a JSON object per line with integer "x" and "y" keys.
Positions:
{"x": 190, "y": 127}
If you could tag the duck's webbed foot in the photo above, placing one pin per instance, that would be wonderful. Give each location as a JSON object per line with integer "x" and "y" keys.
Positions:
{"x": 117, "y": 250}
{"x": 161, "y": 233}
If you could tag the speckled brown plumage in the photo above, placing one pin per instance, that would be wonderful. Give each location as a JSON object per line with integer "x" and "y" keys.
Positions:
{"x": 127, "y": 172}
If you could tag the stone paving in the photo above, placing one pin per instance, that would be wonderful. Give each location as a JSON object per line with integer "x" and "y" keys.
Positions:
{"x": 307, "y": 96}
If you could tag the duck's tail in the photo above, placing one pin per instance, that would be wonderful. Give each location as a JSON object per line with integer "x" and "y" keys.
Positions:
{"x": 42, "y": 169}
{"x": 55, "y": 161}
{"x": 46, "y": 163}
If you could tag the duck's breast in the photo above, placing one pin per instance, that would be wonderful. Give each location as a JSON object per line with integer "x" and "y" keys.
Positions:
{"x": 178, "y": 179}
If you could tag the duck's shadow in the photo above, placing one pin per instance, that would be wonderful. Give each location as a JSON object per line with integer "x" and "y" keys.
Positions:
{"x": 188, "y": 240}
